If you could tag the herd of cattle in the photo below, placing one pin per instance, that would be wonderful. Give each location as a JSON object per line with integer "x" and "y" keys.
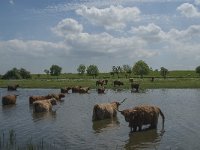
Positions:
{"x": 136, "y": 116}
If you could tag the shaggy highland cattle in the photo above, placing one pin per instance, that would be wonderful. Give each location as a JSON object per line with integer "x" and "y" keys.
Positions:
{"x": 101, "y": 90}
{"x": 105, "y": 110}
{"x": 9, "y": 99}
{"x": 143, "y": 115}
{"x": 83, "y": 90}
{"x": 76, "y": 89}
{"x": 49, "y": 96}
{"x": 101, "y": 82}
{"x": 119, "y": 83}
{"x": 65, "y": 89}
{"x": 13, "y": 87}
{"x": 56, "y": 96}
{"x": 43, "y": 105}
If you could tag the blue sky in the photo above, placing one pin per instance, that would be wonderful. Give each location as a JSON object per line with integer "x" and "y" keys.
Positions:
{"x": 36, "y": 34}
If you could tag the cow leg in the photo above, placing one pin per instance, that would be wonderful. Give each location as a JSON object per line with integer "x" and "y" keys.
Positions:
{"x": 140, "y": 128}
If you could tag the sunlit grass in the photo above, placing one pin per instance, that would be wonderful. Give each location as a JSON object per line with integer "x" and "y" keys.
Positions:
{"x": 175, "y": 79}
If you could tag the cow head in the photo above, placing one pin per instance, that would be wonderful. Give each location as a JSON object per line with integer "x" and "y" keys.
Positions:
{"x": 128, "y": 114}
{"x": 61, "y": 95}
{"x": 53, "y": 101}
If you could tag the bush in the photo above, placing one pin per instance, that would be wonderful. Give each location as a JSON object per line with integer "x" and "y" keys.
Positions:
{"x": 17, "y": 74}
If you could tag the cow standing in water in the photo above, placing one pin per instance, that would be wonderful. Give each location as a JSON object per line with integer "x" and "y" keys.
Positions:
{"x": 143, "y": 115}
{"x": 101, "y": 82}
{"x": 105, "y": 110}
{"x": 13, "y": 87}
{"x": 135, "y": 86}
{"x": 9, "y": 99}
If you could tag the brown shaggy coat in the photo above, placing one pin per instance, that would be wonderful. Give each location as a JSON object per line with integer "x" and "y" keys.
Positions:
{"x": 76, "y": 89}
{"x": 49, "y": 96}
{"x": 84, "y": 90}
{"x": 9, "y": 99}
{"x": 101, "y": 90}
{"x": 143, "y": 115}
{"x": 65, "y": 90}
{"x": 43, "y": 105}
{"x": 105, "y": 111}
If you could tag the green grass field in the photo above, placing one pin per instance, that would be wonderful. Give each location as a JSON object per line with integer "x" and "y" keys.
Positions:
{"x": 175, "y": 79}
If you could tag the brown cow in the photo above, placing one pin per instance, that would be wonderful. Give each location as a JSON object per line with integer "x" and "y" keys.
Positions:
{"x": 32, "y": 99}
{"x": 49, "y": 96}
{"x": 116, "y": 82}
{"x": 99, "y": 82}
{"x": 56, "y": 96}
{"x": 43, "y": 105}
{"x": 143, "y": 115}
{"x": 101, "y": 90}
{"x": 76, "y": 89}
{"x": 13, "y": 87}
{"x": 105, "y": 110}
{"x": 135, "y": 86}
{"x": 65, "y": 89}
{"x": 84, "y": 90}
{"x": 9, "y": 99}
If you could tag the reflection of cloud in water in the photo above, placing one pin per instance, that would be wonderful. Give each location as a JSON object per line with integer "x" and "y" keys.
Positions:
{"x": 43, "y": 115}
{"x": 143, "y": 140}
{"x": 101, "y": 125}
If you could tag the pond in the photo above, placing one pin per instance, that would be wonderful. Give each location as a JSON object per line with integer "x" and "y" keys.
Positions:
{"x": 70, "y": 125}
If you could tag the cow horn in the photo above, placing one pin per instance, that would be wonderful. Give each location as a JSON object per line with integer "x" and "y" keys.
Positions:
{"x": 119, "y": 110}
{"x": 122, "y": 101}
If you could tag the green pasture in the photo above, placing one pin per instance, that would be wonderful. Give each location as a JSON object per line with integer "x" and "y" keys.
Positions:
{"x": 145, "y": 83}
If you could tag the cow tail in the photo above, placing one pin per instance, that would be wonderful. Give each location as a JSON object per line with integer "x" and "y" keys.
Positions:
{"x": 163, "y": 119}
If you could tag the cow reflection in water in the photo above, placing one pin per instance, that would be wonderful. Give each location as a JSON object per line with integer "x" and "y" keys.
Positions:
{"x": 101, "y": 125}
{"x": 146, "y": 139}
{"x": 44, "y": 115}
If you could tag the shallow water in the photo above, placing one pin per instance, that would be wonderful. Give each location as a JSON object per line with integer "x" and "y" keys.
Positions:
{"x": 70, "y": 125}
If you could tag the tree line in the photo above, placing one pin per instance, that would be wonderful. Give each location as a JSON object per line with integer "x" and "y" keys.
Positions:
{"x": 140, "y": 68}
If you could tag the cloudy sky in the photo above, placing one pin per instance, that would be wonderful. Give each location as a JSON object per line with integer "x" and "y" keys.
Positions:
{"x": 34, "y": 34}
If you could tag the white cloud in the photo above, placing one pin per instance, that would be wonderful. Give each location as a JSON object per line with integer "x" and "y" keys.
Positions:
{"x": 32, "y": 48}
{"x": 188, "y": 10}
{"x": 67, "y": 27}
{"x": 113, "y": 17}
{"x": 102, "y": 44}
{"x": 192, "y": 33}
{"x": 151, "y": 32}
{"x": 11, "y": 2}
{"x": 197, "y": 2}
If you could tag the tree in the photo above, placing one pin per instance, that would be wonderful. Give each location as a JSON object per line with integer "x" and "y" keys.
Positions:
{"x": 127, "y": 70}
{"x": 163, "y": 72}
{"x": 141, "y": 68}
{"x": 46, "y": 71}
{"x": 55, "y": 70}
{"x": 24, "y": 73}
{"x": 92, "y": 70}
{"x": 81, "y": 69}
{"x": 17, "y": 74}
{"x": 116, "y": 70}
{"x": 198, "y": 70}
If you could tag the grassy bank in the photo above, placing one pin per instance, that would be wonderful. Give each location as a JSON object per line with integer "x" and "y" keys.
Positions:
{"x": 175, "y": 79}
{"x": 145, "y": 83}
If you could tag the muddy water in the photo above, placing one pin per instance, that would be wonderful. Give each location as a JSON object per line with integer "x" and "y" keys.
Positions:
{"x": 70, "y": 125}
